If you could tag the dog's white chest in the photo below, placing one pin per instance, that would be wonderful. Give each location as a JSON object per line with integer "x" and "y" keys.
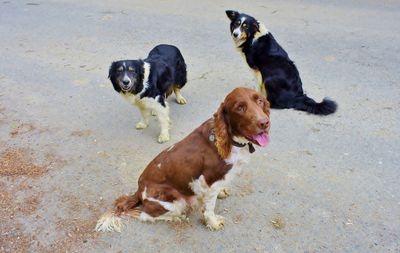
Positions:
{"x": 130, "y": 98}
{"x": 142, "y": 103}
{"x": 238, "y": 157}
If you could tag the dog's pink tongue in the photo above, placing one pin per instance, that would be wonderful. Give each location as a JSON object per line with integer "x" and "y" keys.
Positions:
{"x": 262, "y": 139}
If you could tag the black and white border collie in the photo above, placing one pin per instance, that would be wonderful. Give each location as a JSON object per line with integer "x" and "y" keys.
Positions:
{"x": 277, "y": 76}
{"x": 147, "y": 84}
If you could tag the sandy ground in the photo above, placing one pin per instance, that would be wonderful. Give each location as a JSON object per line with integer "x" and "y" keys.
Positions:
{"x": 68, "y": 146}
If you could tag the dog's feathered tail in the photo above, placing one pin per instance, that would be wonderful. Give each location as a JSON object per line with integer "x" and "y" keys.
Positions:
{"x": 304, "y": 103}
{"x": 123, "y": 206}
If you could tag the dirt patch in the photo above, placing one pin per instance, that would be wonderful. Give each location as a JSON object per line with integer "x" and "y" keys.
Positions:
{"x": 22, "y": 129}
{"x": 13, "y": 240}
{"x": 22, "y": 199}
{"x": 237, "y": 218}
{"x": 30, "y": 204}
{"x": 73, "y": 231}
{"x": 180, "y": 229}
{"x": 244, "y": 186}
{"x": 19, "y": 197}
{"x": 82, "y": 133}
{"x": 12, "y": 207}
{"x": 278, "y": 222}
{"x": 5, "y": 200}
{"x": 12, "y": 236}
{"x": 16, "y": 162}
{"x": 54, "y": 161}
{"x": 77, "y": 232}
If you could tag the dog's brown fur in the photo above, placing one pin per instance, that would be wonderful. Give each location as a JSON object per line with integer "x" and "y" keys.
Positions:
{"x": 169, "y": 176}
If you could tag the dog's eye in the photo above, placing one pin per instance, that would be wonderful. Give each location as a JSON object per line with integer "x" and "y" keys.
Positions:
{"x": 260, "y": 101}
{"x": 241, "y": 108}
{"x": 130, "y": 69}
{"x": 119, "y": 69}
{"x": 238, "y": 22}
{"x": 244, "y": 25}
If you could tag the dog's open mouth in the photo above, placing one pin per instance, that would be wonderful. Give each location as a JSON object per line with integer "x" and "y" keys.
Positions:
{"x": 261, "y": 139}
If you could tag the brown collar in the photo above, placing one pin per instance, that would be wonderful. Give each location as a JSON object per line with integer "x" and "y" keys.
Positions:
{"x": 212, "y": 138}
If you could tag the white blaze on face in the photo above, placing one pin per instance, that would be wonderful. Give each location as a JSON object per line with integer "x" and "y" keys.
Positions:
{"x": 237, "y": 32}
{"x": 237, "y": 35}
{"x": 126, "y": 81}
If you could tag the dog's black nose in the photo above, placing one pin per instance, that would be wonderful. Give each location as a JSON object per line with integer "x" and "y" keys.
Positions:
{"x": 235, "y": 35}
{"x": 125, "y": 82}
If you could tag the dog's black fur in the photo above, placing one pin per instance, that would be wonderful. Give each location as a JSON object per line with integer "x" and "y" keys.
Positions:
{"x": 280, "y": 76}
{"x": 167, "y": 71}
{"x": 147, "y": 84}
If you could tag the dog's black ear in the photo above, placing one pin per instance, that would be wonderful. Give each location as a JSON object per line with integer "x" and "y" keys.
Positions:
{"x": 232, "y": 15}
{"x": 111, "y": 70}
{"x": 140, "y": 68}
{"x": 256, "y": 25}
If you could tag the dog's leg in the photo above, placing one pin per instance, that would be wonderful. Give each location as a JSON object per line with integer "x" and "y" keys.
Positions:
{"x": 145, "y": 118}
{"x": 163, "y": 118}
{"x": 162, "y": 203}
{"x": 179, "y": 98}
{"x": 213, "y": 221}
{"x": 159, "y": 211}
{"x": 260, "y": 83}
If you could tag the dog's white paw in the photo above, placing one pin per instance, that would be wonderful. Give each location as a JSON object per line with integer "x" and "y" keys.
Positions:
{"x": 181, "y": 100}
{"x": 164, "y": 137}
{"x": 141, "y": 125}
{"x": 214, "y": 222}
{"x": 223, "y": 193}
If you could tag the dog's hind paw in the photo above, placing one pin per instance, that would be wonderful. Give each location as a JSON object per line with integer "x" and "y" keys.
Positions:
{"x": 163, "y": 137}
{"x": 141, "y": 125}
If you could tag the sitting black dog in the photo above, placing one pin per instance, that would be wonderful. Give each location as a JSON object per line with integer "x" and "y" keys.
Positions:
{"x": 277, "y": 75}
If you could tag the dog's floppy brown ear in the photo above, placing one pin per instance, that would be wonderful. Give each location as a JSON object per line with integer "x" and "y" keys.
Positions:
{"x": 267, "y": 106}
{"x": 223, "y": 132}
{"x": 232, "y": 15}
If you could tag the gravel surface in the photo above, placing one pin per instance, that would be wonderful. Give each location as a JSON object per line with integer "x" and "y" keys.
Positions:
{"x": 69, "y": 147}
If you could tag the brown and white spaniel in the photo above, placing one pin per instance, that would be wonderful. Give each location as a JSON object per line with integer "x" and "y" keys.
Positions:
{"x": 192, "y": 172}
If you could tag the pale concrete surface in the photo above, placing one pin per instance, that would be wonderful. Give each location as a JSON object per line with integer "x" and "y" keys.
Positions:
{"x": 334, "y": 181}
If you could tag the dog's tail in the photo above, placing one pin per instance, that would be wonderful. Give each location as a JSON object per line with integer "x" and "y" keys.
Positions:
{"x": 304, "y": 103}
{"x": 123, "y": 206}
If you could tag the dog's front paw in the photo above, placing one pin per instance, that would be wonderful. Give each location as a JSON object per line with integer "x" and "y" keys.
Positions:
{"x": 214, "y": 222}
{"x": 141, "y": 125}
{"x": 181, "y": 100}
{"x": 223, "y": 193}
{"x": 164, "y": 137}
